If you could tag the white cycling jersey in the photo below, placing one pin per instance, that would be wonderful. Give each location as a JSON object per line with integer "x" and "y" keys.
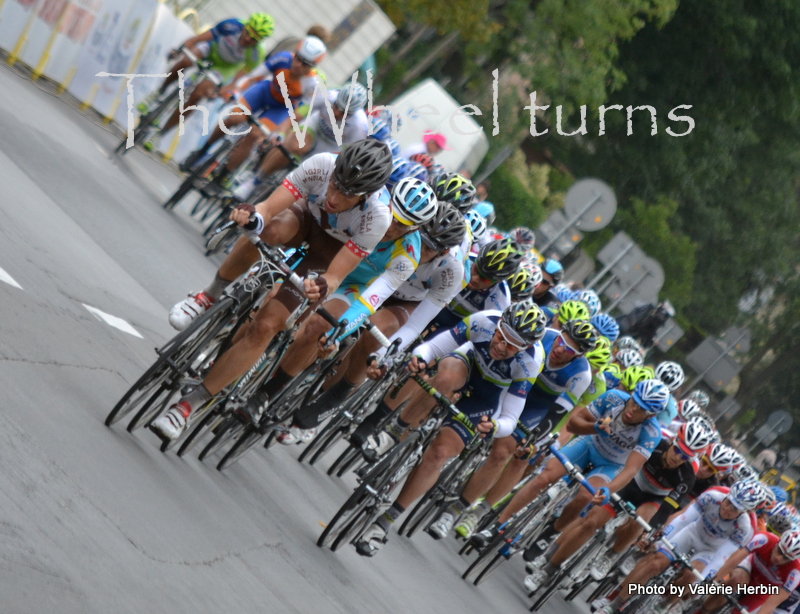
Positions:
{"x": 356, "y": 126}
{"x": 360, "y": 228}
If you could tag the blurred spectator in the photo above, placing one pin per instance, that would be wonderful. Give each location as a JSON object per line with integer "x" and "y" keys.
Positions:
{"x": 643, "y": 322}
{"x": 432, "y": 143}
{"x": 290, "y": 43}
{"x": 765, "y": 460}
{"x": 482, "y": 190}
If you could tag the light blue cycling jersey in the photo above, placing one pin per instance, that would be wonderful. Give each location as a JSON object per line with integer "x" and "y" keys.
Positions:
{"x": 670, "y": 412}
{"x": 623, "y": 439}
{"x": 501, "y": 385}
{"x": 563, "y": 385}
{"x": 377, "y": 277}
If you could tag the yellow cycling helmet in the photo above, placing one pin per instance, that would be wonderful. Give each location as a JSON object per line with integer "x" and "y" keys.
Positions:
{"x": 572, "y": 310}
{"x": 600, "y": 356}
{"x": 259, "y": 26}
{"x": 633, "y": 375}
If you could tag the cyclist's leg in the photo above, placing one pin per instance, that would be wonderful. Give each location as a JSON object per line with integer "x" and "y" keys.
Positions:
{"x": 739, "y": 576}
{"x": 447, "y": 444}
{"x": 649, "y": 566}
{"x": 577, "y": 533}
{"x": 182, "y": 64}
{"x": 486, "y": 476}
{"x": 629, "y": 532}
{"x": 511, "y": 475}
{"x": 552, "y": 471}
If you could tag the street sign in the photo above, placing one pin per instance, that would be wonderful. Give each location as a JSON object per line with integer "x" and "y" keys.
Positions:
{"x": 739, "y": 337}
{"x": 780, "y": 421}
{"x": 668, "y": 335}
{"x": 555, "y": 226}
{"x": 792, "y": 457}
{"x": 710, "y": 358}
{"x": 638, "y": 286}
{"x": 592, "y": 202}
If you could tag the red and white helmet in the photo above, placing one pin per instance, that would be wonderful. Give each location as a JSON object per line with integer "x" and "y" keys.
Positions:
{"x": 694, "y": 437}
{"x": 311, "y": 50}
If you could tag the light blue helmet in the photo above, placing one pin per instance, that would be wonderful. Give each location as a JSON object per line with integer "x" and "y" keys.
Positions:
{"x": 591, "y": 300}
{"x": 606, "y": 326}
{"x": 563, "y": 293}
{"x": 476, "y": 223}
{"x": 486, "y": 209}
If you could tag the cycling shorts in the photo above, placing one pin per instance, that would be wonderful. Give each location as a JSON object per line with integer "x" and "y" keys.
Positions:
{"x": 470, "y": 406}
{"x": 317, "y": 260}
{"x": 581, "y": 451}
{"x": 692, "y": 537}
{"x": 262, "y": 103}
{"x": 636, "y": 496}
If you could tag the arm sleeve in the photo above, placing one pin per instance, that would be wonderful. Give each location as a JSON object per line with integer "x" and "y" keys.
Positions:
{"x": 419, "y": 319}
{"x": 667, "y": 507}
{"x": 444, "y": 343}
{"x": 555, "y": 413}
{"x": 510, "y": 411}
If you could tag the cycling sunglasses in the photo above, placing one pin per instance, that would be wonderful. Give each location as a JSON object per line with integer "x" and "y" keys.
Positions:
{"x": 681, "y": 454}
{"x": 567, "y": 346}
{"x": 515, "y": 343}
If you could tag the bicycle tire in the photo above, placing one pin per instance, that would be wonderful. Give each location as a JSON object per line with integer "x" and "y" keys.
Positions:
{"x": 196, "y": 435}
{"x": 144, "y": 126}
{"x": 329, "y": 435}
{"x": 490, "y": 568}
{"x": 430, "y": 502}
{"x": 151, "y": 410}
{"x": 189, "y": 183}
{"x": 247, "y": 440}
{"x": 345, "y": 459}
{"x": 231, "y": 427}
{"x": 578, "y": 588}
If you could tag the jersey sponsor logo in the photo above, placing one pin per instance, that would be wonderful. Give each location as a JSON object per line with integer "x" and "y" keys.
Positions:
{"x": 374, "y": 300}
{"x": 410, "y": 249}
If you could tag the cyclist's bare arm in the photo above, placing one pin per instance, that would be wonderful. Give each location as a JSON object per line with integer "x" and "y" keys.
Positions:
{"x": 280, "y": 200}
{"x": 731, "y": 564}
{"x": 632, "y": 466}
{"x": 581, "y": 422}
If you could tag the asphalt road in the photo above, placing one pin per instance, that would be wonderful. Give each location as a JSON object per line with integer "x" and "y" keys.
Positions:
{"x": 96, "y": 520}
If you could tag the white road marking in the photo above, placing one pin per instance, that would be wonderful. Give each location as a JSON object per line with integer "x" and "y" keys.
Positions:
{"x": 5, "y": 277}
{"x": 114, "y": 321}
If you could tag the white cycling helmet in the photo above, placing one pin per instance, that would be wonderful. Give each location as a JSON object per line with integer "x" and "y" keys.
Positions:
{"x": 790, "y": 544}
{"x": 355, "y": 93}
{"x": 591, "y": 300}
{"x": 687, "y": 409}
{"x": 629, "y": 358}
{"x": 413, "y": 202}
{"x": 671, "y": 373}
{"x": 476, "y": 223}
{"x": 723, "y": 458}
{"x": 311, "y": 50}
{"x": 745, "y": 472}
{"x": 746, "y": 495}
{"x": 700, "y": 397}
{"x": 694, "y": 436}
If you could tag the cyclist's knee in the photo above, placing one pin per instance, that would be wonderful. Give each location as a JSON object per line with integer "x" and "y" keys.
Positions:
{"x": 442, "y": 448}
{"x": 450, "y": 376}
{"x": 265, "y": 326}
{"x": 312, "y": 329}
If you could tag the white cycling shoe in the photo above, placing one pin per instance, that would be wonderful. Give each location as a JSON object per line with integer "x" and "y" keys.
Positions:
{"x": 296, "y": 435}
{"x": 537, "y": 563}
{"x": 378, "y": 445}
{"x": 372, "y": 540}
{"x": 534, "y": 581}
{"x": 189, "y": 309}
{"x": 172, "y": 423}
{"x": 442, "y": 526}
{"x": 600, "y": 568}
{"x": 603, "y": 604}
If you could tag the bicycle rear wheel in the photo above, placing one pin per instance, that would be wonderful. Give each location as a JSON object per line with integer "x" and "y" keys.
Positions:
{"x": 202, "y": 428}
{"x": 226, "y": 431}
{"x": 246, "y": 441}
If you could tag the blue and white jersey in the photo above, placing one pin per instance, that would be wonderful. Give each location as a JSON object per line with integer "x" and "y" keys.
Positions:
{"x": 503, "y": 384}
{"x": 563, "y": 385}
{"x": 227, "y": 48}
{"x": 467, "y": 302}
{"x": 623, "y": 439}
{"x": 670, "y": 412}
{"x": 713, "y": 528}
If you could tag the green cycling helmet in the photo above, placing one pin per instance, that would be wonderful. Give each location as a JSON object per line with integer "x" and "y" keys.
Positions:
{"x": 260, "y": 25}
{"x": 572, "y": 310}
{"x": 633, "y": 375}
{"x": 600, "y": 356}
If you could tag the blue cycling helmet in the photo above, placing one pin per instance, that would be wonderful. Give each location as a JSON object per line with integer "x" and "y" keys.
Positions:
{"x": 591, "y": 300}
{"x": 380, "y": 130}
{"x": 394, "y": 146}
{"x": 486, "y": 209}
{"x": 563, "y": 293}
{"x": 385, "y": 115}
{"x": 554, "y": 269}
{"x": 402, "y": 168}
{"x": 781, "y": 496}
{"x": 651, "y": 395}
{"x": 606, "y": 326}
